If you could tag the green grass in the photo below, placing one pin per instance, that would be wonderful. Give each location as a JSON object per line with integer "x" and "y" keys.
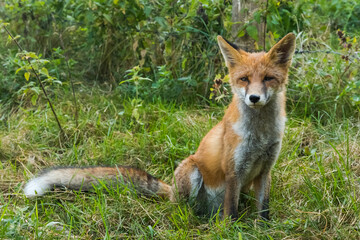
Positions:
{"x": 315, "y": 191}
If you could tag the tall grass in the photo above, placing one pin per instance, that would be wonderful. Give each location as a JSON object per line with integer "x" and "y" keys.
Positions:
{"x": 315, "y": 191}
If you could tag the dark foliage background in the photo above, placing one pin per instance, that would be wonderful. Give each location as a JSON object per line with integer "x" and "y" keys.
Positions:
{"x": 173, "y": 42}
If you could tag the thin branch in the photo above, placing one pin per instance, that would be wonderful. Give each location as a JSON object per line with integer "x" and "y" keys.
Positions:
{"x": 316, "y": 51}
{"x": 41, "y": 84}
{"x": 326, "y": 52}
{"x": 73, "y": 92}
{"x": 69, "y": 74}
{"x": 343, "y": 73}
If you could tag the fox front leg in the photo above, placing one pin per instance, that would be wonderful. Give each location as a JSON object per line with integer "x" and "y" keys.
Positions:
{"x": 262, "y": 185}
{"x": 232, "y": 193}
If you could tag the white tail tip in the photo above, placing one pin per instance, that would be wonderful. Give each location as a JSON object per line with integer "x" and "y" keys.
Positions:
{"x": 36, "y": 187}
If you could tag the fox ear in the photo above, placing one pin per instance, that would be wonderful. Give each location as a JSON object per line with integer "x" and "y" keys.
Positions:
{"x": 283, "y": 51}
{"x": 229, "y": 51}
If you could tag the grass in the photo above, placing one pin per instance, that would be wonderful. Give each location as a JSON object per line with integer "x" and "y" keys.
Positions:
{"x": 314, "y": 193}
{"x": 315, "y": 190}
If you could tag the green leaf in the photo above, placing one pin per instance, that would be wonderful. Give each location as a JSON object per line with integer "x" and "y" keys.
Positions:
{"x": 183, "y": 64}
{"x": 211, "y": 95}
{"x": 241, "y": 33}
{"x": 27, "y": 76}
{"x": 44, "y": 71}
{"x": 253, "y": 32}
{"x": 168, "y": 47}
{"x": 226, "y": 78}
{"x": 34, "y": 99}
{"x": 135, "y": 114}
{"x": 108, "y": 18}
{"x": 257, "y": 16}
{"x": 18, "y": 70}
{"x": 32, "y": 55}
{"x": 36, "y": 90}
{"x": 307, "y": 151}
{"x": 161, "y": 21}
{"x": 98, "y": 120}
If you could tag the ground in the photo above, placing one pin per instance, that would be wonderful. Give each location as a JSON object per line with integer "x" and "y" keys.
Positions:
{"x": 314, "y": 195}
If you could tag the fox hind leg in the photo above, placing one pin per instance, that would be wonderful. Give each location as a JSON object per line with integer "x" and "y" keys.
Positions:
{"x": 187, "y": 181}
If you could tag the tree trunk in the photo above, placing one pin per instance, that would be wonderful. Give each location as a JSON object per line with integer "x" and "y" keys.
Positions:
{"x": 242, "y": 13}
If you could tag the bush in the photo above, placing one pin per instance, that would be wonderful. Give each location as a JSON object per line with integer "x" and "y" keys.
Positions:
{"x": 173, "y": 42}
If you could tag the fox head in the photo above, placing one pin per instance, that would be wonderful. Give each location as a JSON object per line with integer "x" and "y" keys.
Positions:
{"x": 257, "y": 77}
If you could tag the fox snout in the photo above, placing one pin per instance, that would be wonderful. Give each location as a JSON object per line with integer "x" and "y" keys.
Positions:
{"x": 254, "y": 94}
{"x": 254, "y": 98}
{"x": 257, "y": 99}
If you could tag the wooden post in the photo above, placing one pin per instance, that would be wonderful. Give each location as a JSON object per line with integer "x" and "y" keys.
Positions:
{"x": 242, "y": 13}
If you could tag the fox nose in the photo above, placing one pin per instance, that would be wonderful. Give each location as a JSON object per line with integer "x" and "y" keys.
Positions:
{"x": 254, "y": 98}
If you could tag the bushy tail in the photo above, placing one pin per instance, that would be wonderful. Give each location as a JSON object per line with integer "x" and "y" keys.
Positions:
{"x": 85, "y": 178}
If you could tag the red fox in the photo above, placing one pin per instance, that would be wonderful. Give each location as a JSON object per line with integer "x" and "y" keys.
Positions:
{"x": 236, "y": 154}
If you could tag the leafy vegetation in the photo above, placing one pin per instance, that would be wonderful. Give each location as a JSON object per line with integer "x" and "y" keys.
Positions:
{"x": 173, "y": 40}
{"x": 144, "y": 74}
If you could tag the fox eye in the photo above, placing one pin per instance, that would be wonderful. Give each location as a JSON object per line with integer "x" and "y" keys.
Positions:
{"x": 244, "y": 79}
{"x": 267, "y": 78}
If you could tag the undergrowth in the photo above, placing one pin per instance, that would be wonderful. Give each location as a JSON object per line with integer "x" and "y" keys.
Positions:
{"x": 314, "y": 194}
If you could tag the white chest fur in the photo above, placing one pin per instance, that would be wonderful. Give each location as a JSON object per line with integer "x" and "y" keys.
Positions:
{"x": 260, "y": 131}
